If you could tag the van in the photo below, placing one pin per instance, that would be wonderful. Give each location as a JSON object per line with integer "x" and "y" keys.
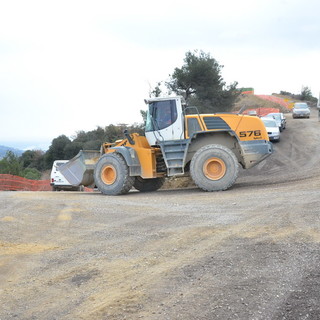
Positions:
{"x": 58, "y": 181}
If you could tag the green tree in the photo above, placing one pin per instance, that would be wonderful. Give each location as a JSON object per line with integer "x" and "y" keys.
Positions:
{"x": 199, "y": 80}
{"x": 90, "y": 140}
{"x": 31, "y": 173}
{"x": 144, "y": 115}
{"x": 138, "y": 128}
{"x": 33, "y": 159}
{"x": 306, "y": 94}
{"x": 57, "y": 150}
{"x": 114, "y": 133}
{"x": 71, "y": 149}
{"x": 156, "y": 91}
{"x": 11, "y": 164}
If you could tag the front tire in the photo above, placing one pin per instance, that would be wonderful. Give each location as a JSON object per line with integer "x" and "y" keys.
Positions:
{"x": 148, "y": 185}
{"x": 111, "y": 175}
{"x": 214, "y": 168}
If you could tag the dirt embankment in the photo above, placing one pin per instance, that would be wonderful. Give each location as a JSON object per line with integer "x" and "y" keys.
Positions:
{"x": 251, "y": 252}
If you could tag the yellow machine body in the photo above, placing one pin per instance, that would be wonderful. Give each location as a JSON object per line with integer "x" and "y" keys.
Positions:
{"x": 246, "y": 127}
{"x": 174, "y": 148}
{"x": 146, "y": 154}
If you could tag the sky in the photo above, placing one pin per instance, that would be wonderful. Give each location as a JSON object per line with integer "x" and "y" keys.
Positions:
{"x": 73, "y": 65}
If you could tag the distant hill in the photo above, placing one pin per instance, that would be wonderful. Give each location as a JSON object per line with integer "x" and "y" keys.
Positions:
{"x": 4, "y": 149}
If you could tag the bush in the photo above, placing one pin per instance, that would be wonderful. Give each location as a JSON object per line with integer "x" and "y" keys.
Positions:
{"x": 32, "y": 174}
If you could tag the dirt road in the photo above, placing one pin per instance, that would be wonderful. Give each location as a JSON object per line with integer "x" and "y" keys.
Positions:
{"x": 251, "y": 252}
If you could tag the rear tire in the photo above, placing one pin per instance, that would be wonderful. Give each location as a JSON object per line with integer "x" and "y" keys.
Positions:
{"x": 214, "y": 168}
{"x": 111, "y": 175}
{"x": 148, "y": 185}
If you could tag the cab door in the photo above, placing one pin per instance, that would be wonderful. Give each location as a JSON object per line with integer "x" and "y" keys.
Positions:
{"x": 164, "y": 120}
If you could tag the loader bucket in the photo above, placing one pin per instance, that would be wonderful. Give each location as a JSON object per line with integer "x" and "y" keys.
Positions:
{"x": 79, "y": 170}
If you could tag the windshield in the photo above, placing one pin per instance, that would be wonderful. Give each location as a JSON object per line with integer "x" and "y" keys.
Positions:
{"x": 270, "y": 123}
{"x": 301, "y": 106}
{"x": 276, "y": 116}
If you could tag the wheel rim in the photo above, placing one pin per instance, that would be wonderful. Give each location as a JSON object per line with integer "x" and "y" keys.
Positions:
{"x": 108, "y": 174}
{"x": 214, "y": 168}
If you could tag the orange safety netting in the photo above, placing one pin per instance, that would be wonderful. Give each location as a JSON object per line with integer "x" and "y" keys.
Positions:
{"x": 261, "y": 112}
{"x": 9, "y": 182}
{"x": 14, "y": 183}
{"x": 274, "y": 99}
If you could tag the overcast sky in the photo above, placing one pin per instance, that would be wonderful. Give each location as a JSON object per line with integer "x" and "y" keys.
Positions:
{"x": 74, "y": 65}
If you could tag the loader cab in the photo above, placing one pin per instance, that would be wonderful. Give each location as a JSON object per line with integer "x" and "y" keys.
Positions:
{"x": 164, "y": 120}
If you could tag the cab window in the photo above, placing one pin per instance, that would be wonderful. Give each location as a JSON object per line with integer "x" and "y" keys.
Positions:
{"x": 161, "y": 114}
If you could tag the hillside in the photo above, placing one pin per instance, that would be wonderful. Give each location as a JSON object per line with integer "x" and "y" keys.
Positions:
{"x": 4, "y": 150}
{"x": 249, "y": 101}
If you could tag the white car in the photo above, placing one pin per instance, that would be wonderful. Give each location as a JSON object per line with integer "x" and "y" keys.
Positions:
{"x": 57, "y": 179}
{"x": 280, "y": 119}
{"x": 272, "y": 128}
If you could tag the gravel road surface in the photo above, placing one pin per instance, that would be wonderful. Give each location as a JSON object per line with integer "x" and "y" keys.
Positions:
{"x": 252, "y": 252}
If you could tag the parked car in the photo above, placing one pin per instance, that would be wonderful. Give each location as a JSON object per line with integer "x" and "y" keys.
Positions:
{"x": 280, "y": 119}
{"x": 301, "y": 110}
{"x": 58, "y": 181}
{"x": 252, "y": 113}
{"x": 284, "y": 120}
{"x": 272, "y": 128}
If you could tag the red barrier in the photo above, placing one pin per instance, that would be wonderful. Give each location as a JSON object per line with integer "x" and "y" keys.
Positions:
{"x": 274, "y": 99}
{"x": 14, "y": 183}
{"x": 9, "y": 182}
{"x": 261, "y": 112}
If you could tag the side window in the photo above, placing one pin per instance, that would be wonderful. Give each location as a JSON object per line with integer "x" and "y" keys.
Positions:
{"x": 161, "y": 114}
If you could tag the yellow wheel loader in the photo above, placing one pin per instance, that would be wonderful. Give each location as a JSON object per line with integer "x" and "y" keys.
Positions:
{"x": 178, "y": 141}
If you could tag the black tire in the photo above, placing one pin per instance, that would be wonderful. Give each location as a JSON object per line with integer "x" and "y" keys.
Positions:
{"x": 111, "y": 175}
{"x": 148, "y": 185}
{"x": 214, "y": 168}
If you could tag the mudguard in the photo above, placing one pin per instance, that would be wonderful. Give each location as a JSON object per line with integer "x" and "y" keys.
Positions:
{"x": 131, "y": 158}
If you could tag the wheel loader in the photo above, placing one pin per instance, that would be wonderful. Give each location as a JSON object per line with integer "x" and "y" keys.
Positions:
{"x": 178, "y": 141}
